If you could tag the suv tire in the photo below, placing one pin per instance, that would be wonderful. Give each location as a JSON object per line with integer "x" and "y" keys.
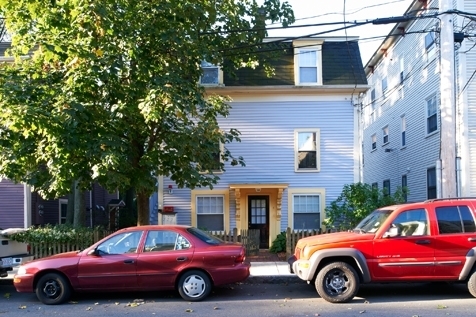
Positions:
{"x": 337, "y": 282}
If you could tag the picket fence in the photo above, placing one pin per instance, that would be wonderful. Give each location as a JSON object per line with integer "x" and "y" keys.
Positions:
{"x": 247, "y": 237}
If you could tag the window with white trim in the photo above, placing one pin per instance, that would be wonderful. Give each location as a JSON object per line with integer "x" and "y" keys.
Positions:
{"x": 307, "y": 62}
{"x": 307, "y": 150}
{"x": 405, "y": 187}
{"x": 211, "y": 74}
{"x": 210, "y": 212}
{"x": 306, "y": 212}
{"x": 431, "y": 115}
{"x": 386, "y": 187}
{"x": 430, "y": 46}
{"x": 372, "y": 106}
{"x": 385, "y": 135}
{"x": 402, "y": 70}
{"x": 431, "y": 183}
{"x": 374, "y": 142}
{"x": 403, "y": 126}
{"x": 63, "y": 210}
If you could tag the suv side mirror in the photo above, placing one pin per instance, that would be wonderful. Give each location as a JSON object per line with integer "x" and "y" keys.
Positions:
{"x": 394, "y": 231}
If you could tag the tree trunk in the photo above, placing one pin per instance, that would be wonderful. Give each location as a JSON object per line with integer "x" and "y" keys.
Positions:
{"x": 142, "y": 208}
{"x": 70, "y": 207}
{"x": 78, "y": 207}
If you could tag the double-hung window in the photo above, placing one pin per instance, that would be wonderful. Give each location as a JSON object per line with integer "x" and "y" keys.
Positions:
{"x": 431, "y": 183}
{"x": 431, "y": 115}
{"x": 307, "y": 150}
{"x": 63, "y": 210}
{"x": 211, "y": 74}
{"x": 308, "y": 66}
{"x": 374, "y": 142}
{"x": 306, "y": 212}
{"x": 386, "y": 187}
{"x": 385, "y": 135}
{"x": 404, "y": 130}
{"x": 430, "y": 48}
{"x": 307, "y": 62}
{"x": 210, "y": 212}
{"x": 405, "y": 187}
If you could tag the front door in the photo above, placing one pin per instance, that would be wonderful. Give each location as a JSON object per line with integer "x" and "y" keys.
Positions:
{"x": 258, "y": 218}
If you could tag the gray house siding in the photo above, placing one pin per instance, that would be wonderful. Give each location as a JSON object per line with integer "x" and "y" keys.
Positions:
{"x": 11, "y": 204}
{"x": 421, "y": 81}
{"x": 267, "y": 144}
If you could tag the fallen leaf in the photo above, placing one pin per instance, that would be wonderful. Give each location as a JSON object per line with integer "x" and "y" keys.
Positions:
{"x": 89, "y": 308}
{"x": 215, "y": 308}
{"x": 73, "y": 302}
{"x": 7, "y": 295}
{"x": 188, "y": 310}
{"x": 22, "y": 307}
{"x": 441, "y": 307}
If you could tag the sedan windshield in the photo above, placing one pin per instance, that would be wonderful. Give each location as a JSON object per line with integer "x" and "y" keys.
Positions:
{"x": 372, "y": 222}
{"x": 204, "y": 236}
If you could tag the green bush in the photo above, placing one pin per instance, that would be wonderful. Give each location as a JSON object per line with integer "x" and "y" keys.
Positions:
{"x": 279, "y": 244}
{"x": 56, "y": 234}
{"x": 356, "y": 202}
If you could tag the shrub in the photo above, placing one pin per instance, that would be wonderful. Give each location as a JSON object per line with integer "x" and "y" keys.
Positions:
{"x": 357, "y": 201}
{"x": 279, "y": 244}
{"x": 57, "y": 234}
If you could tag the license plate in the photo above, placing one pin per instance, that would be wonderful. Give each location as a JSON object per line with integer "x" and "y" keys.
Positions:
{"x": 7, "y": 261}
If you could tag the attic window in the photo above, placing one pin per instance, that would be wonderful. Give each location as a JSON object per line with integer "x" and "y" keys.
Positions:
{"x": 307, "y": 64}
{"x": 211, "y": 74}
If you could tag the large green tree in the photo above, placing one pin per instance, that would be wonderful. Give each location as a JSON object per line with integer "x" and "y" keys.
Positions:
{"x": 110, "y": 91}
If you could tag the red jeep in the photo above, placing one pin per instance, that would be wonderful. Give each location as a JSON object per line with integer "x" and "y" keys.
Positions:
{"x": 434, "y": 240}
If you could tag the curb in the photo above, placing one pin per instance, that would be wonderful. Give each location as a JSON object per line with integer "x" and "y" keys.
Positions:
{"x": 273, "y": 279}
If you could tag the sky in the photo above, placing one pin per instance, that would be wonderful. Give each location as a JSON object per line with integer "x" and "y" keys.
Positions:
{"x": 328, "y": 11}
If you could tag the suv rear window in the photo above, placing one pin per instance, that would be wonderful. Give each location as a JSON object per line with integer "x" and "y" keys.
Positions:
{"x": 455, "y": 219}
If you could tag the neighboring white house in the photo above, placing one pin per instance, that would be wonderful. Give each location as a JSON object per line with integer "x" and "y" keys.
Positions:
{"x": 402, "y": 139}
{"x": 299, "y": 138}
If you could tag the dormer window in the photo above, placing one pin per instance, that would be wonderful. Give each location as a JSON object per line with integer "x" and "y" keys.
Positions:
{"x": 307, "y": 63}
{"x": 212, "y": 74}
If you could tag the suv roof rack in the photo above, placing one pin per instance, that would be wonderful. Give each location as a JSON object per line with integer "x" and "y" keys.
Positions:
{"x": 448, "y": 198}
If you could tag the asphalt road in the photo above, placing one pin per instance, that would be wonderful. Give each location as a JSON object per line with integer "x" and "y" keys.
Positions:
{"x": 250, "y": 300}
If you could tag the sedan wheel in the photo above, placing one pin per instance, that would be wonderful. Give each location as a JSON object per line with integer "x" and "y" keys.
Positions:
{"x": 194, "y": 286}
{"x": 53, "y": 289}
{"x": 337, "y": 282}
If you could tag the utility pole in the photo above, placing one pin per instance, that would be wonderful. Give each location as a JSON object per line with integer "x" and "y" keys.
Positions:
{"x": 447, "y": 102}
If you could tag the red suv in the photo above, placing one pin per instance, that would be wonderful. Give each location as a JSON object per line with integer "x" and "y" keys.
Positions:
{"x": 434, "y": 240}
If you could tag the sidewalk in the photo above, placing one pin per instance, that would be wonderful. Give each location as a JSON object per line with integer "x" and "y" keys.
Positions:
{"x": 270, "y": 272}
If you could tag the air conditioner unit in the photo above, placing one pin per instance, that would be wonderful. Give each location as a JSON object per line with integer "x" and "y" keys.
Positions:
{"x": 210, "y": 74}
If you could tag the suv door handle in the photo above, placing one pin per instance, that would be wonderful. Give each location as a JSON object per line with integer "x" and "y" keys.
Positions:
{"x": 129, "y": 261}
{"x": 422, "y": 241}
{"x": 472, "y": 239}
{"x": 181, "y": 259}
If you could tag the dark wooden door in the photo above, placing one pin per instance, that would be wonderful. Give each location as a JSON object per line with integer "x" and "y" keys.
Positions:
{"x": 258, "y": 218}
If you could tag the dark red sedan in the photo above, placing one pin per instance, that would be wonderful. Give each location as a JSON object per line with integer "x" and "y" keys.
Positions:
{"x": 144, "y": 258}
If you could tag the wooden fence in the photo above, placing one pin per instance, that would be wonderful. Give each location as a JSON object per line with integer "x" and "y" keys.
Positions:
{"x": 248, "y": 237}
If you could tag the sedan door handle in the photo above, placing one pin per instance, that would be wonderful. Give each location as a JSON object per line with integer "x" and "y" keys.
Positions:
{"x": 472, "y": 239}
{"x": 182, "y": 258}
{"x": 129, "y": 261}
{"x": 422, "y": 241}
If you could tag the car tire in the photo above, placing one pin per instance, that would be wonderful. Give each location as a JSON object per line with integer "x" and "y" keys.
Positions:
{"x": 472, "y": 283}
{"x": 53, "y": 289}
{"x": 194, "y": 286}
{"x": 337, "y": 282}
